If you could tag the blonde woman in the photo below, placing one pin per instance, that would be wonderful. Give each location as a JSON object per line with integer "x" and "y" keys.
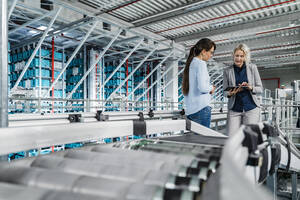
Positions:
{"x": 243, "y": 105}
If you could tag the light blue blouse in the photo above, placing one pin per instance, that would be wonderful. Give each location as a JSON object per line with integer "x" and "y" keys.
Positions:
{"x": 199, "y": 87}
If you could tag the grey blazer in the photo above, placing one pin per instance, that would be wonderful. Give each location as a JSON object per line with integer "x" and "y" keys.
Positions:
{"x": 253, "y": 80}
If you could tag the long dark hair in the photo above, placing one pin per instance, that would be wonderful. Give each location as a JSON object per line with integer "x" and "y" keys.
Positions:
{"x": 205, "y": 44}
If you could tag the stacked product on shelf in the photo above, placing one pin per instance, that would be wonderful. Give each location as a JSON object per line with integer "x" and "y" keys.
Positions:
{"x": 139, "y": 76}
{"x": 38, "y": 75}
{"x": 180, "y": 95}
{"x": 74, "y": 73}
{"x": 9, "y": 64}
{"x": 114, "y": 82}
{"x": 180, "y": 88}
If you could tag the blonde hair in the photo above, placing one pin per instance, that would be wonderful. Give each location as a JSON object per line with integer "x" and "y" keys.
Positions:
{"x": 246, "y": 50}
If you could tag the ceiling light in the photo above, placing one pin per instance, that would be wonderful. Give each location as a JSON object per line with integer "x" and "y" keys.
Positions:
{"x": 42, "y": 28}
{"x": 32, "y": 31}
{"x": 292, "y": 24}
{"x": 226, "y": 23}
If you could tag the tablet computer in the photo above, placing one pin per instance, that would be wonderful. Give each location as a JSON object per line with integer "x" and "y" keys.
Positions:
{"x": 232, "y": 87}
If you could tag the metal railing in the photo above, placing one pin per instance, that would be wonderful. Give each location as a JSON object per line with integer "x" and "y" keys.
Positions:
{"x": 59, "y": 105}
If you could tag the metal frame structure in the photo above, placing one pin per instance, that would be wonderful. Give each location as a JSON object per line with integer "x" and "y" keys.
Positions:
{"x": 257, "y": 23}
{"x": 157, "y": 80}
{"x": 36, "y": 49}
{"x": 121, "y": 63}
{"x": 153, "y": 70}
{"x": 72, "y": 56}
{"x": 3, "y": 65}
{"x": 94, "y": 64}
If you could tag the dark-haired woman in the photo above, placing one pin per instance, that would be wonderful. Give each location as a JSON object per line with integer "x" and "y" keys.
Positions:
{"x": 196, "y": 83}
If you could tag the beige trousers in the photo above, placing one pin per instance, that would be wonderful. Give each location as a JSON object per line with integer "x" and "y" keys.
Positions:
{"x": 236, "y": 119}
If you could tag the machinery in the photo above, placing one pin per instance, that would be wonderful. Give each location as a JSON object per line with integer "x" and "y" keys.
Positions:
{"x": 173, "y": 158}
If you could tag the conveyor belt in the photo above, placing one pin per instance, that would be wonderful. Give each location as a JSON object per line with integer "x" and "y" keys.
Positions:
{"x": 197, "y": 139}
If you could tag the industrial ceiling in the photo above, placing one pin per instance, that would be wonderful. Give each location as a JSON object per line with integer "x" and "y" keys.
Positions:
{"x": 269, "y": 27}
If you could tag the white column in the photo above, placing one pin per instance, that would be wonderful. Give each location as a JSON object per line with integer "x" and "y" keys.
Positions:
{"x": 171, "y": 91}
{"x": 92, "y": 84}
{"x": 3, "y": 65}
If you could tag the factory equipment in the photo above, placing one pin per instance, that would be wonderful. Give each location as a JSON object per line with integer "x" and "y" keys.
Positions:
{"x": 187, "y": 161}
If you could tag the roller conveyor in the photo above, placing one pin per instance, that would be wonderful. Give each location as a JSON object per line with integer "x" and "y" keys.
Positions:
{"x": 9, "y": 191}
{"x": 154, "y": 175}
{"x": 175, "y": 167}
{"x": 77, "y": 172}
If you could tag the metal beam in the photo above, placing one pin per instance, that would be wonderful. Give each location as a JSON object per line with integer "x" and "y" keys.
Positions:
{"x": 157, "y": 80}
{"x": 180, "y": 87}
{"x": 121, "y": 63}
{"x": 180, "y": 97}
{"x": 256, "y": 41}
{"x": 11, "y": 9}
{"x": 36, "y": 49}
{"x": 178, "y": 12}
{"x": 141, "y": 54}
{"x": 247, "y": 25}
{"x": 278, "y": 64}
{"x": 244, "y": 14}
{"x": 121, "y": 24}
{"x": 125, "y": 52}
{"x": 71, "y": 58}
{"x": 31, "y": 22}
{"x": 3, "y": 65}
{"x": 278, "y": 57}
{"x": 131, "y": 74}
{"x": 88, "y": 40}
{"x": 67, "y": 27}
{"x": 262, "y": 47}
{"x": 94, "y": 64}
{"x": 128, "y": 40}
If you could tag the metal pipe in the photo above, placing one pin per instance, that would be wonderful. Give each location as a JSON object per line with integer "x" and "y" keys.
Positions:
{"x": 11, "y": 9}
{"x": 35, "y": 50}
{"x": 3, "y": 65}
{"x": 71, "y": 58}
{"x": 94, "y": 64}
